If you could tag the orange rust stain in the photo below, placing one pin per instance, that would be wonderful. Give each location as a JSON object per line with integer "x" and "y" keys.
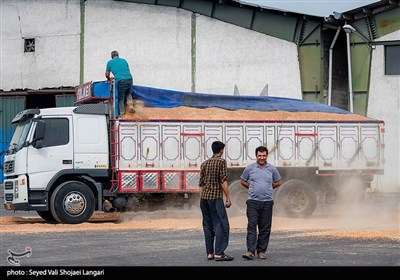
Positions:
{"x": 386, "y": 22}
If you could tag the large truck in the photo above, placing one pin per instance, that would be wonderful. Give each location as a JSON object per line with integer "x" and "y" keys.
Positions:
{"x": 66, "y": 163}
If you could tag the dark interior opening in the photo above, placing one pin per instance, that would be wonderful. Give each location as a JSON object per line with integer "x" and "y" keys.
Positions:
{"x": 40, "y": 101}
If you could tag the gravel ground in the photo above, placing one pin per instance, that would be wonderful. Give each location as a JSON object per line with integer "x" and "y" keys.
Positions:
{"x": 334, "y": 236}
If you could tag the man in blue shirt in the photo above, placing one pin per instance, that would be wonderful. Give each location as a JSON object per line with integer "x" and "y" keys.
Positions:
{"x": 123, "y": 80}
{"x": 260, "y": 178}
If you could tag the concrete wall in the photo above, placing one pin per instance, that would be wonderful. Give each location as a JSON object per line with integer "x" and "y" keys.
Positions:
{"x": 384, "y": 104}
{"x": 55, "y": 27}
{"x": 229, "y": 55}
{"x": 155, "y": 40}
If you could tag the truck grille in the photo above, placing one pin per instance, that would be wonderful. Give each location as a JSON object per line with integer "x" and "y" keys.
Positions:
{"x": 8, "y": 185}
{"x": 9, "y": 166}
{"x": 9, "y": 196}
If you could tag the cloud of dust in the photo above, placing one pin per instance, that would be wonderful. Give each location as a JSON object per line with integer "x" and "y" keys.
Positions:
{"x": 371, "y": 212}
{"x": 374, "y": 212}
{"x": 353, "y": 210}
{"x": 184, "y": 213}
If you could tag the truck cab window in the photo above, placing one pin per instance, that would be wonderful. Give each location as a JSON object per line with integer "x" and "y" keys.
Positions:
{"x": 57, "y": 132}
{"x": 19, "y": 137}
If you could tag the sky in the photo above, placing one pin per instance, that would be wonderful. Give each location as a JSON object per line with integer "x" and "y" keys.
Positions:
{"x": 322, "y": 8}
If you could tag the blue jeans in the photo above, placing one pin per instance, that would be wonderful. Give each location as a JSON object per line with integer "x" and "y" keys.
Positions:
{"x": 215, "y": 225}
{"x": 259, "y": 214}
{"x": 124, "y": 91}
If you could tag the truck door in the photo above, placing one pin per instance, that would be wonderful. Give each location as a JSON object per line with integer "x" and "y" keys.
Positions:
{"x": 192, "y": 137}
{"x": 211, "y": 133}
{"x": 171, "y": 146}
{"x": 370, "y": 146}
{"x": 128, "y": 141}
{"x": 55, "y": 155}
{"x": 327, "y": 147}
{"x": 349, "y": 146}
{"x": 234, "y": 150}
{"x": 306, "y": 146}
{"x": 150, "y": 144}
{"x": 253, "y": 138}
{"x": 286, "y": 146}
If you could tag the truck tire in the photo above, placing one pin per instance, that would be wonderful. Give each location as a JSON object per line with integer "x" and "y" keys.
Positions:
{"x": 47, "y": 216}
{"x": 296, "y": 198}
{"x": 72, "y": 202}
{"x": 238, "y": 195}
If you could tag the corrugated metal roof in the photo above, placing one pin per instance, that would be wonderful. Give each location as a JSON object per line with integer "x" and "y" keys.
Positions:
{"x": 318, "y": 8}
{"x": 259, "y": 4}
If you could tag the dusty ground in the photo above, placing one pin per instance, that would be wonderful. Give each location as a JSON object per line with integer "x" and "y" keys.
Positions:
{"x": 338, "y": 225}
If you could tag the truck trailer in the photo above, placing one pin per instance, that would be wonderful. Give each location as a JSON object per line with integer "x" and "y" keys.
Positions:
{"x": 67, "y": 162}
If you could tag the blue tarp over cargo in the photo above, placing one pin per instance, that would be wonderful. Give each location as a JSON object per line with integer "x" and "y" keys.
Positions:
{"x": 162, "y": 98}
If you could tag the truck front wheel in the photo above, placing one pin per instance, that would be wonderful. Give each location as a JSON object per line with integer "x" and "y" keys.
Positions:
{"x": 296, "y": 198}
{"x": 72, "y": 202}
{"x": 47, "y": 216}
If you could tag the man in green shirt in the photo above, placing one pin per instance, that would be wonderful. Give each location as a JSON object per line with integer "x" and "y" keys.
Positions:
{"x": 123, "y": 80}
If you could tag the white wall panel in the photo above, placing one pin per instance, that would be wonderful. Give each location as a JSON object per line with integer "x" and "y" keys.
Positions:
{"x": 229, "y": 55}
{"x": 384, "y": 104}
{"x": 155, "y": 40}
{"x": 55, "y": 27}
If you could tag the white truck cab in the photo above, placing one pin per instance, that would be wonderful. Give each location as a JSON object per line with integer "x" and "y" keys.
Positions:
{"x": 51, "y": 147}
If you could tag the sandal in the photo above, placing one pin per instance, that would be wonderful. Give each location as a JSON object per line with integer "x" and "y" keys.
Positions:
{"x": 224, "y": 257}
{"x": 248, "y": 255}
{"x": 210, "y": 257}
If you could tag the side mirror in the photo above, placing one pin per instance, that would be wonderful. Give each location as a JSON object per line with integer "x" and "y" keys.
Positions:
{"x": 38, "y": 137}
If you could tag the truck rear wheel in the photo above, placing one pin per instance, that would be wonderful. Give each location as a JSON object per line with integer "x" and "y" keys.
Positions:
{"x": 72, "y": 202}
{"x": 47, "y": 216}
{"x": 239, "y": 196}
{"x": 296, "y": 198}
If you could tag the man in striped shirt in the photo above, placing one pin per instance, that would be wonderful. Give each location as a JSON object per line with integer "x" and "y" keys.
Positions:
{"x": 213, "y": 185}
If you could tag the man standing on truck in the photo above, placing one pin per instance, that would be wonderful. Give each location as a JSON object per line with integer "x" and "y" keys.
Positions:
{"x": 260, "y": 178}
{"x": 119, "y": 67}
{"x": 213, "y": 185}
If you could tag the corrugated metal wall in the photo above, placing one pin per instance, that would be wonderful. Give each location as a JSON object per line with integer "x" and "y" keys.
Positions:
{"x": 65, "y": 100}
{"x": 277, "y": 24}
{"x": 9, "y": 107}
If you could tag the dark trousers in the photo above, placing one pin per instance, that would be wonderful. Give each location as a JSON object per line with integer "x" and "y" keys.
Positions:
{"x": 259, "y": 214}
{"x": 215, "y": 225}
{"x": 124, "y": 91}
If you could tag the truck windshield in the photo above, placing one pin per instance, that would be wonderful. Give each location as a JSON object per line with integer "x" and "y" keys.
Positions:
{"x": 19, "y": 138}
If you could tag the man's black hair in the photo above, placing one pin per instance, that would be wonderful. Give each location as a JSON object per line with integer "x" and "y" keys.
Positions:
{"x": 114, "y": 54}
{"x": 217, "y": 146}
{"x": 261, "y": 149}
